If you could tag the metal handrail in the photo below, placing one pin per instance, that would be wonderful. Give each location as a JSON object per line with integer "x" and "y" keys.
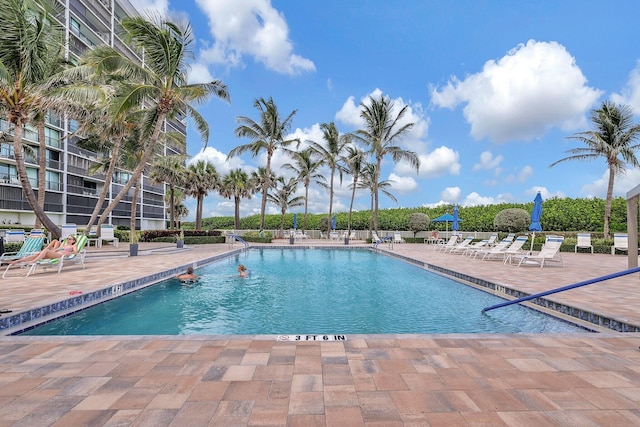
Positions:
{"x": 239, "y": 239}
{"x": 565, "y": 288}
{"x": 382, "y": 240}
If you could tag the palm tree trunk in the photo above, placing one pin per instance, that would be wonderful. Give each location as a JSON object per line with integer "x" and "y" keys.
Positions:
{"x": 172, "y": 208}
{"x": 236, "y": 200}
{"x": 607, "y": 205}
{"x": 375, "y": 194}
{"x": 353, "y": 196}
{"x": 333, "y": 170}
{"x": 306, "y": 204}
{"x": 137, "y": 172}
{"x": 134, "y": 208}
{"x": 265, "y": 189}
{"x": 26, "y": 185}
{"x": 42, "y": 171}
{"x": 106, "y": 187}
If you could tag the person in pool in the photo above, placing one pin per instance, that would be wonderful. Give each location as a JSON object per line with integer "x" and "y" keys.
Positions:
{"x": 242, "y": 270}
{"x": 54, "y": 250}
{"x": 188, "y": 276}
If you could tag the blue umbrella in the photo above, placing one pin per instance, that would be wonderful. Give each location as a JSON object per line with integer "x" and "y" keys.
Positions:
{"x": 446, "y": 218}
{"x": 536, "y": 214}
{"x": 334, "y": 223}
{"x": 295, "y": 221}
{"x": 455, "y": 226}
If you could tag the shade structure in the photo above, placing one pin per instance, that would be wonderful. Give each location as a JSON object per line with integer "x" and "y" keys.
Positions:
{"x": 295, "y": 221}
{"x": 334, "y": 222}
{"x": 455, "y": 224}
{"x": 446, "y": 218}
{"x": 536, "y": 214}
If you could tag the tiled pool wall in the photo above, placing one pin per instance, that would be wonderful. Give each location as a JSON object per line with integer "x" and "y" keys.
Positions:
{"x": 510, "y": 293}
{"x": 22, "y": 321}
{"x": 19, "y": 322}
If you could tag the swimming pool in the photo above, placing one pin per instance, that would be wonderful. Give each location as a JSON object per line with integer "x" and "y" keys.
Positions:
{"x": 306, "y": 291}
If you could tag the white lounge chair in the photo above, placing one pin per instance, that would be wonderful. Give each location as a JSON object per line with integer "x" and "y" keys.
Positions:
{"x": 107, "y": 234}
{"x": 453, "y": 240}
{"x": 515, "y": 248}
{"x": 299, "y": 235}
{"x": 14, "y": 236}
{"x": 460, "y": 247}
{"x": 68, "y": 230}
{"x": 549, "y": 252}
{"x": 497, "y": 249}
{"x": 482, "y": 244}
{"x": 620, "y": 243}
{"x": 334, "y": 235}
{"x": 397, "y": 238}
{"x": 584, "y": 241}
{"x": 491, "y": 241}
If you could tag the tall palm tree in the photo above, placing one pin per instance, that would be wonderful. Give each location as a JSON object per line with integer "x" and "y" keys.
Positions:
{"x": 613, "y": 138}
{"x": 282, "y": 196}
{"x": 31, "y": 46}
{"x": 354, "y": 160}
{"x": 381, "y": 132}
{"x": 331, "y": 154}
{"x": 160, "y": 85}
{"x": 201, "y": 178}
{"x": 267, "y": 135}
{"x": 171, "y": 170}
{"x": 306, "y": 169}
{"x": 236, "y": 184}
{"x": 368, "y": 181}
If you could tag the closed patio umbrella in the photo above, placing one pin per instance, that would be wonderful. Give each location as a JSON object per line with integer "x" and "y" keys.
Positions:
{"x": 455, "y": 226}
{"x": 295, "y": 221}
{"x": 536, "y": 214}
{"x": 334, "y": 222}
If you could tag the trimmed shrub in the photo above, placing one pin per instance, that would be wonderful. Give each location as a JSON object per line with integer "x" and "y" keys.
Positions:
{"x": 419, "y": 221}
{"x": 512, "y": 220}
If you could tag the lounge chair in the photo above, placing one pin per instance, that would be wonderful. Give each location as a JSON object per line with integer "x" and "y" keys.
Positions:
{"x": 397, "y": 238}
{"x": 491, "y": 241}
{"x": 584, "y": 241}
{"x": 497, "y": 249}
{"x": 453, "y": 240}
{"x": 434, "y": 238}
{"x": 14, "y": 236}
{"x": 549, "y": 252}
{"x": 78, "y": 257}
{"x": 37, "y": 232}
{"x": 107, "y": 234}
{"x": 298, "y": 235}
{"x": 334, "y": 235}
{"x": 30, "y": 246}
{"x": 352, "y": 236}
{"x": 515, "y": 248}
{"x": 460, "y": 247}
{"x": 620, "y": 243}
{"x": 68, "y": 230}
{"x": 482, "y": 244}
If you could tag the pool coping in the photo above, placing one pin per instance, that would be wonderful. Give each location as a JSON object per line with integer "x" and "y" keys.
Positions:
{"x": 25, "y": 320}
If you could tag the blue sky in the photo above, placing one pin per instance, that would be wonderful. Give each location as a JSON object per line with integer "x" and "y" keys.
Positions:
{"x": 494, "y": 88}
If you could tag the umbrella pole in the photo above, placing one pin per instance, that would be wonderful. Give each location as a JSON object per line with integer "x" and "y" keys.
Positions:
{"x": 532, "y": 240}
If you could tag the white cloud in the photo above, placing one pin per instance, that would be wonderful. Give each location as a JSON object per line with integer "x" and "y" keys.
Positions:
{"x": 533, "y": 88}
{"x": 219, "y": 160}
{"x": 443, "y": 160}
{"x": 151, "y": 7}
{"x": 520, "y": 176}
{"x": 622, "y": 183}
{"x": 199, "y": 73}
{"x": 451, "y": 195}
{"x": 402, "y": 184}
{"x": 487, "y": 161}
{"x": 631, "y": 93}
{"x": 544, "y": 192}
{"x": 252, "y": 28}
{"x": 475, "y": 199}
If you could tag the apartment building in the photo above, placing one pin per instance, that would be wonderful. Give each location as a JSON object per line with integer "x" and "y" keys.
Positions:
{"x": 71, "y": 191}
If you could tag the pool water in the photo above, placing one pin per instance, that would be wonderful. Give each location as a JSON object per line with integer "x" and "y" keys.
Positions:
{"x": 306, "y": 291}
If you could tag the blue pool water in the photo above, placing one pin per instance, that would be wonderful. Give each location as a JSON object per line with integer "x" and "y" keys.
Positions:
{"x": 306, "y": 291}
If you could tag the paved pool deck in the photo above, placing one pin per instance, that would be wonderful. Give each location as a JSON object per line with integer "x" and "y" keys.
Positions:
{"x": 590, "y": 379}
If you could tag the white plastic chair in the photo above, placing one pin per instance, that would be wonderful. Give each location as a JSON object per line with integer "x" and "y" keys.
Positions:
{"x": 107, "y": 234}
{"x": 620, "y": 243}
{"x": 584, "y": 241}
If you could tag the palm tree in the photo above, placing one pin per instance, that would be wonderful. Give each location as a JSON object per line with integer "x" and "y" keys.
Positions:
{"x": 169, "y": 169}
{"x": 613, "y": 139}
{"x": 306, "y": 170}
{"x": 160, "y": 85}
{"x": 268, "y": 135}
{"x": 368, "y": 176}
{"x": 331, "y": 154}
{"x": 236, "y": 185}
{"x": 282, "y": 197}
{"x": 31, "y": 49}
{"x": 354, "y": 161}
{"x": 201, "y": 177}
{"x": 381, "y": 131}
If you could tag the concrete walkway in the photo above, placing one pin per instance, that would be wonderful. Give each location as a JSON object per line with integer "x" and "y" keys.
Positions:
{"x": 414, "y": 380}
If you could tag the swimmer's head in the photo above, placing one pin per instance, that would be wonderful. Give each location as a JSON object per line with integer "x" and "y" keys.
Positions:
{"x": 189, "y": 270}
{"x": 241, "y": 267}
